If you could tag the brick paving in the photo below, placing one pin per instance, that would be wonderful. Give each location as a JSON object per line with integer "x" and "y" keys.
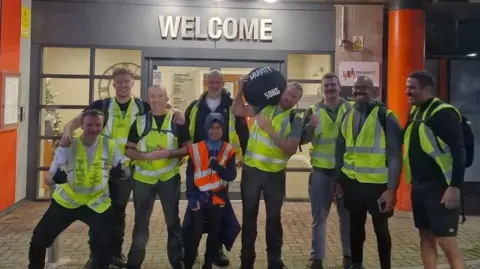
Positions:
{"x": 16, "y": 228}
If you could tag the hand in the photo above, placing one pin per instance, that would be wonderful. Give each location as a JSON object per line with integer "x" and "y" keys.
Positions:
{"x": 157, "y": 154}
{"x": 264, "y": 123}
{"x": 214, "y": 165}
{"x": 338, "y": 191}
{"x": 65, "y": 141}
{"x": 451, "y": 198}
{"x": 314, "y": 120}
{"x": 60, "y": 177}
{"x": 197, "y": 207}
{"x": 390, "y": 198}
{"x": 241, "y": 81}
{"x": 117, "y": 172}
{"x": 239, "y": 163}
{"x": 179, "y": 117}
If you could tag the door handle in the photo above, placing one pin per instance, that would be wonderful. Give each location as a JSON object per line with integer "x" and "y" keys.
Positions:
{"x": 21, "y": 114}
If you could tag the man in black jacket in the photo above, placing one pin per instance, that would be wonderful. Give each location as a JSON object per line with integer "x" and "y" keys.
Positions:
{"x": 235, "y": 132}
{"x": 435, "y": 166}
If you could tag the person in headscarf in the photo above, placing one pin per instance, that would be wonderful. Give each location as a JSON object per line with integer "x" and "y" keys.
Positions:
{"x": 212, "y": 166}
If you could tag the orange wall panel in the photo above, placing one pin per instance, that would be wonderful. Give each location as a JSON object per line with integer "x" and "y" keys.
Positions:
{"x": 8, "y": 157}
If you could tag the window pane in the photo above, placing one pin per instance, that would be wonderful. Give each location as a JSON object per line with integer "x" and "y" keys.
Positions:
{"x": 53, "y": 120}
{"x": 308, "y": 66}
{"x": 183, "y": 84}
{"x": 104, "y": 88}
{"x": 66, "y": 61}
{"x": 106, "y": 60}
{"x": 65, "y": 91}
{"x": 312, "y": 93}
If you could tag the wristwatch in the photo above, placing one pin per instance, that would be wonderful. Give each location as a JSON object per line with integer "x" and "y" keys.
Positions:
{"x": 169, "y": 154}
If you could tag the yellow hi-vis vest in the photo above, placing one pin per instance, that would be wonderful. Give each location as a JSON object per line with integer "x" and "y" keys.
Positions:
{"x": 440, "y": 151}
{"x": 87, "y": 185}
{"x": 232, "y": 133}
{"x": 365, "y": 157}
{"x": 117, "y": 126}
{"x": 322, "y": 150}
{"x": 262, "y": 153}
{"x": 150, "y": 172}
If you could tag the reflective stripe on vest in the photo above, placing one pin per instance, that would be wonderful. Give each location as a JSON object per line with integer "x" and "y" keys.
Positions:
{"x": 118, "y": 127}
{"x": 87, "y": 185}
{"x": 262, "y": 153}
{"x": 232, "y": 133}
{"x": 440, "y": 151}
{"x": 365, "y": 156}
{"x": 204, "y": 178}
{"x": 322, "y": 150}
{"x": 150, "y": 172}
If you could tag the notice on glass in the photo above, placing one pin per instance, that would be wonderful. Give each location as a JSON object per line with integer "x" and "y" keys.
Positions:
{"x": 157, "y": 77}
{"x": 182, "y": 85}
{"x": 11, "y": 100}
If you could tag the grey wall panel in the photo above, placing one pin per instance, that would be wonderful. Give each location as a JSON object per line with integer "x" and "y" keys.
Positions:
{"x": 431, "y": 65}
{"x": 108, "y": 24}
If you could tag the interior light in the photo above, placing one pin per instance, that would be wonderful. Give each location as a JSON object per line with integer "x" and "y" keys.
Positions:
{"x": 473, "y": 54}
{"x": 270, "y": 1}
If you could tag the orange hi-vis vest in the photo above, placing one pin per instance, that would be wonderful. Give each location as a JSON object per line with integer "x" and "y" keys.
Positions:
{"x": 205, "y": 178}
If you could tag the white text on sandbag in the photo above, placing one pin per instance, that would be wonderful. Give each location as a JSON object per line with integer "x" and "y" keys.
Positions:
{"x": 271, "y": 93}
{"x": 260, "y": 72}
{"x": 193, "y": 28}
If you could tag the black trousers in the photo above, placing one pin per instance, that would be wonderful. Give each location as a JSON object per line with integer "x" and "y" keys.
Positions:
{"x": 360, "y": 199}
{"x": 193, "y": 235}
{"x": 254, "y": 182}
{"x": 120, "y": 191}
{"x": 56, "y": 219}
{"x": 143, "y": 199}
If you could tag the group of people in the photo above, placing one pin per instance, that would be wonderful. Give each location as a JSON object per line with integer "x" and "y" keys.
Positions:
{"x": 356, "y": 156}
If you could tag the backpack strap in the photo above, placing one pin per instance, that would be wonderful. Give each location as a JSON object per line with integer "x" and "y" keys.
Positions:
{"x": 292, "y": 116}
{"x": 148, "y": 125}
{"x": 105, "y": 105}
{"x": 139, "y": 103}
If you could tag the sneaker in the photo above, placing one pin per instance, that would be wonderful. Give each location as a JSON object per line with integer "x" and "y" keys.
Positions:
{"x": 179, "y": 265}
{"x": 279, "y": 265}
{"x": 119, "y": 261}
{"x": 88, "y": 265}
{"x": 356, "y": 266}
{"x": 347, "y": 262}
{"x": 222, "y": 260}
{"x": 315, "y": 264}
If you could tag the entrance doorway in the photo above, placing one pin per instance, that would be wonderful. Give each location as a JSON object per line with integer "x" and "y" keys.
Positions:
{"x": 185, "y": 81}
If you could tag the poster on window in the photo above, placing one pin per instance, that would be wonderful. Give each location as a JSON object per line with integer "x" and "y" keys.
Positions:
{"x": 349, "y": 71}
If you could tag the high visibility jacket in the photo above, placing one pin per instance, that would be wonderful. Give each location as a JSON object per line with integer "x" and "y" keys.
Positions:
{"x": 150, "y": 172}
{"x": 205, "y": 178}
{"x": 232, "y": 133}
{"x": 118, "y": 126}
{"x": 322, "y": 150}
{"x": 262, "y": 153}
{"x": 87, "y": 185}
{"x": 365, "y": 157}
{"x": 433, "y": 145}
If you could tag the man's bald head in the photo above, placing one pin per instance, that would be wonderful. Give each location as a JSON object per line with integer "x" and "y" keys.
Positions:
{"x": 157, "y": 97}
{"x": 363, "y": 89}
{"x": 214, "y": 81}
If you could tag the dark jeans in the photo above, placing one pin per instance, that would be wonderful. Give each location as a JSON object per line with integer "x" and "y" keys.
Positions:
{"x": 254, "y": 182}
{"x": 143, "y": 199}
{"x": 56, "y": 219}
{"x": 360, "y": 199}
{"x": 120, "y": 191}
{"x": 194, "y": 233}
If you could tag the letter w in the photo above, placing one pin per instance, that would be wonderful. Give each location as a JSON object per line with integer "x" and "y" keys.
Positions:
{"x": 167, "y": 25}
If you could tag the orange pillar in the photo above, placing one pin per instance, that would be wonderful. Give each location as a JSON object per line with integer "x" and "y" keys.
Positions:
{"x": 406, "y": 53}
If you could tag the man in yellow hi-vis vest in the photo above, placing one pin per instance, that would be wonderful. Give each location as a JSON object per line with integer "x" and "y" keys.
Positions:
{"x": 217, "y": 99}
{"x": 157, "y": 145}
{"x": 120, "y": 111}
{"x": 81, "y": 174}
{"x": 434, "y": 157}
{"x": 274, "y": 138}
{"x": 368, "y": 160}
{"x": 322, "y": 122}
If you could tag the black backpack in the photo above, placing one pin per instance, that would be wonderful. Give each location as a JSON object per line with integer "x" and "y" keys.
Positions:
{"x": 468, "y": 140}
{"x": 148, "y": 127}
{"x": 106, "y": 104}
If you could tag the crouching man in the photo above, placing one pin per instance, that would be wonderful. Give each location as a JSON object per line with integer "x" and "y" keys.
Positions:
{"x": 212, "y": 167}
{"x": 81, "y": 174}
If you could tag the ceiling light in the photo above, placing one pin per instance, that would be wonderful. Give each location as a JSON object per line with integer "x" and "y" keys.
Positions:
{"x": 270, "y": 1}
{"x": 473, "y": 54}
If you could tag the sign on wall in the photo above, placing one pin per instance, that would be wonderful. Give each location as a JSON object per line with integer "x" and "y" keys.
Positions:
{"x": 349, "y": 71}
{"x": 194, "y": 28}
{"x": 25, "y": 22}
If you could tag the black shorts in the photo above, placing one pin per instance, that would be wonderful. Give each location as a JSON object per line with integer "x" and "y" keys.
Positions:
{"x": 431, "y": 215}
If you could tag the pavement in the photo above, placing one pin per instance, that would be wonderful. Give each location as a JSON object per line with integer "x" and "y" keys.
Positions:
{"x": 16, "y": 227}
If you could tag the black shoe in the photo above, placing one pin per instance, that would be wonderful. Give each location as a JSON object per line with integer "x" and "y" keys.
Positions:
{"x": 179, "y": 265}
{"x": 315, "y": 264}
{"x": 88, "y": 265}
{"x": 347, "y": 262}
{"x": 222, "y": 260}
{"x": 356, "y": 266}
{"x": 119, "y": 261}
{"x": 278, "y": 265}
